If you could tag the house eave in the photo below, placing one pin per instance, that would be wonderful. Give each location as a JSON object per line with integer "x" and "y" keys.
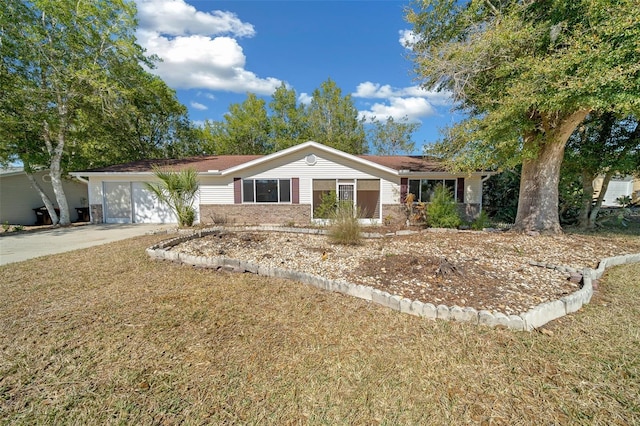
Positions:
{"x": 303, "y": 146}
{"x": 411, "y": 173}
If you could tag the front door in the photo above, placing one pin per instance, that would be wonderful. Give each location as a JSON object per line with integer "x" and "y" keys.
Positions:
{"x": 346, "y": 194}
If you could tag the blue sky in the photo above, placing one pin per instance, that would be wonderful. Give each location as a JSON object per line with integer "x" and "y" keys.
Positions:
{"x": 214, "y": 52}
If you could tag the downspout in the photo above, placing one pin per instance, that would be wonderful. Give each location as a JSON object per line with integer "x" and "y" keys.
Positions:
{"x": 81, "y": 179}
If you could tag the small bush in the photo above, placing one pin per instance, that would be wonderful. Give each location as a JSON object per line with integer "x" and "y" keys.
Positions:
{"x": 327, "y": 207}
{"x": 187, "y": 216}
{"x": 442, "y": 212}
{"x": 345, "y": 228}
{"x": 481, "y": 222}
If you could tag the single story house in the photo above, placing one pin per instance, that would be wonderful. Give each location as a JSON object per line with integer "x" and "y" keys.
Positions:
{"x": 19, "y": 200}
{"x": 285, "y": 187}
{"x": 619, "y": 186}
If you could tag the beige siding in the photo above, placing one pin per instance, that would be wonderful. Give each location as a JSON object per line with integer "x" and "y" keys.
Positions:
{"x": 18, "y": 198}
{"x": 473, "y": 190}
{"x": 216, "y": 190}
{"x": 219, "y": 190}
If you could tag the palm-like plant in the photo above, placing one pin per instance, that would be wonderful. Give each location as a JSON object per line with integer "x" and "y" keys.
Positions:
{"x": 178, "y": 190}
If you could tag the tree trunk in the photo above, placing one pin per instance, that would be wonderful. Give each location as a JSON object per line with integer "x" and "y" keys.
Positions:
{"x": 45, "y": 198}
{"x": 61, "y": 197}
{"x": 55, "y": 170}
{"x": 603, "y": 190}
{"x": 584, "y": 221}
{"x": 538, "y": 200}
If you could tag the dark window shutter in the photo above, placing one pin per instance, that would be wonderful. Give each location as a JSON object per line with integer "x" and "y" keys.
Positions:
{"x": 237, "y": 190}
{"x": 460, "y": 192}
{"x": 295, "y": 190}
{"x": 404, "y": 189}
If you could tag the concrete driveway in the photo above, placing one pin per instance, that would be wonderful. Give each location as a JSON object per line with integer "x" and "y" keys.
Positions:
{"x": 19, "y": 246}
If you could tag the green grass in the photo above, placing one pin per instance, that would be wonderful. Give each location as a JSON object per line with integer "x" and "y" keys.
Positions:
{"x": 107, "y": 336}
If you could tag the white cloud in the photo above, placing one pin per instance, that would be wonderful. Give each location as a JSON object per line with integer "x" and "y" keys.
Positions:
{"x": 199, "y": 106}
{"x": 413, "y": 102}
{"x": 207, "y": 95}
{"x": 411, "y": 107}
{"x": 175, "y": 17}
{"x": 407, "y": 38}
{"x": 305, "y": 98}
{"x": 369, "y": 90}
{"x": 194, "y": 54}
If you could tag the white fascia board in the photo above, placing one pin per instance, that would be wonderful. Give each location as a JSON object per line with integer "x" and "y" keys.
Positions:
{"x": 305, "y": 145}
{"x": 461, "y": 174}
{"x": 89, "y": 174}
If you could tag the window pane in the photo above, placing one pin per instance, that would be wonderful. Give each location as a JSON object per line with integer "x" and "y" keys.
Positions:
{"x": 285, "y": 191}
{"x": 414, "y": 188}
{"x": 428, "y": 188}
{"x": 247, "y": 191}
{"x": 266, "y": 191}
{"x": 450, "y": 184}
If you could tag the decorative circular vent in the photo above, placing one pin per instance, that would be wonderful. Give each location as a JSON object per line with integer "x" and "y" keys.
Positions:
{"x": 311, "y": 159}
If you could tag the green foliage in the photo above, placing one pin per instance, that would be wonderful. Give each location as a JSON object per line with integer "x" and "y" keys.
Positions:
{"x": 603, "y": 145}
{"x": 328, "y": 205}
{"x": 333, "y": 120}
{"x": 245, "y": 130}
{"x": 288, "y": 120}
{"x": 526, "y": 73}
{"x": 6, "y": 226}
{"x": 570, "y": 198}
{"x": 481, "y": 222}
{"x": 251, "y": 128}
{"x": 624, "y": 201}
{"x": 500, "y": 195}
{"x": 392, "y": 137}
{"x": 442, "y": 211}
{"x": 615, "y": 217}
{"x": 345, "y": 228}
{"x": 178, "y": 190}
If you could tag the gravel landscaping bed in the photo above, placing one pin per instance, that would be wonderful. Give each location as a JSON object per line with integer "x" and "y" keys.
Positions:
{"x": 492, "y": 271}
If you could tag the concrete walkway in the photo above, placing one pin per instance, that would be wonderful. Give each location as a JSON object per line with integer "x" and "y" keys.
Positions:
{"x": 19, "y": 246}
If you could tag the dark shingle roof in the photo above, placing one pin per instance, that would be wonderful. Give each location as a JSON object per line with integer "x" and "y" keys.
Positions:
{"x": 413, "y": 163}
{"x": 200, "y": 164}
{"x": 223, "y": 162}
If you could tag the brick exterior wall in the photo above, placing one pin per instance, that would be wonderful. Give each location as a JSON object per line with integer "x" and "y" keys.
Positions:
{"x": 96, "y": 213}
{"x": 254, "y": 214}
{"x": 393, "y": 214}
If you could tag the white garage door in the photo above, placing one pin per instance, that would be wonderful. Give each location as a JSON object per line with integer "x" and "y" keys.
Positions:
{"x": 147, "y": 208}
{"x": 132, "y": 202}
{"x": 117, "y": 202}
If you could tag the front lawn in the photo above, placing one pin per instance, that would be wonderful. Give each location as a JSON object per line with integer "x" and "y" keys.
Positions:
{"x": 105, "y": 335}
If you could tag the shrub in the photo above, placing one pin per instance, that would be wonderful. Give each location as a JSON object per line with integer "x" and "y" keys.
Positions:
{"x": 345, "y": 228}
{"x": 327, "y": 207}
{"x": 442, "y": 212}
{"x": 481, "y": 222}
{"x": 178, "y": 190}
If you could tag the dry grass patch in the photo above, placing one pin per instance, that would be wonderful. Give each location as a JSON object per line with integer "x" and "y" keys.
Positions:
{"x": 105, "y": 335}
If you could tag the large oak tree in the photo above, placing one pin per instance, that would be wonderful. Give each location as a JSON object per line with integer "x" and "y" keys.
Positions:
{"x": 527, "y": 72}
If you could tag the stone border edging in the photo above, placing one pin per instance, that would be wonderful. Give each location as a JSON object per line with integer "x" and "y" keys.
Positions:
{"x": 528, "y": 321}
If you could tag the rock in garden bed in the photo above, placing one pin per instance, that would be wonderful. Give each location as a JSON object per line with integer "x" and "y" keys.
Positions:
{"x": 490, "y": 271}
